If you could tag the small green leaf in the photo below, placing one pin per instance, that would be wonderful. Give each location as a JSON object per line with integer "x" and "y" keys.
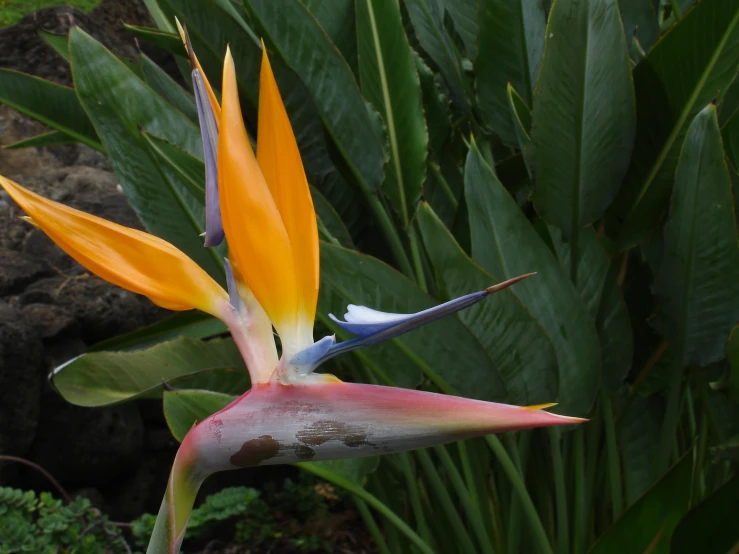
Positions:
{"x": 59, "y": 43}
{"x": 520, "y": 115}
{"x": 169, "y": 41}
{"x": 104, "y": 378}
{"x": 648, "y": 524}
{"x": 464, "y": 16}
{"x": 732, "y": 355}
{"x": 185, "y": 408}
{"x": 640, "y": 23}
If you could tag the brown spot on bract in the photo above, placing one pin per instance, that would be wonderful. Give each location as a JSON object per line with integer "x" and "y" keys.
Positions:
{"x": 326, "y": 430}
{"x": 303, "y": 452}
{"x": 255, "y": 451}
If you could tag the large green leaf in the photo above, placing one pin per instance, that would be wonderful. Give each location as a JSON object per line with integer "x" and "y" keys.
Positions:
{"x": 697, "y": 286}
{"x": 427, "y": 17}
{"x": 519, "y": 348}
{"x": 52, "y": 138}
{"x": 303, "y": 45}
{"x": 184, "y": 408}
{"x": 596, "y": 283}
{"x": 505, "y": 244}
{"x": 711, "y": 525}
{"x": 391, "y": 84}
{"x": 52, "y": 104}
{"x": 732, "y": 356}
{"x": 103, "y": 378}
{"x": 511, "y": 41}
{"x": 730, "y": 134}
{"x": 330, "y": 221}
{"x": 583, "y": 119}
{"x": 706, "y": 43}
{"x": 647, "y": 526}
{"x": 449, "y": 355}
{"x": 119, "y": 105}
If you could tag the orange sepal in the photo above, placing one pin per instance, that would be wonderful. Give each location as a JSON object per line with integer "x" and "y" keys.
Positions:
{"x": 195, "y": 63}
{"x": 280, "y": 163}
{"x": 258, "y": 241}
{"x": 132, "y": 259}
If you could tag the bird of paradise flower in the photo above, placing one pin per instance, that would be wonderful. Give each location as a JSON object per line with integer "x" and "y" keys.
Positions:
{"x": 262, "y": 205}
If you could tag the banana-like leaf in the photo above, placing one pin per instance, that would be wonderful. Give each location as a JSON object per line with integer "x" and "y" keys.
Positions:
{"x": 120, "y": 104}
{"x": 583, "y": 118}
{"x": 521, "y": 351}
{"x": 732, "y": 356}
{"x": 104, "y": 378}
{"x": 520, "y": 115}
{"x": 54, "y": 105}
{"x": 667, "y": 101}
{"x": 697, "y": 286}
{"x": 390, "y": 82}
{"x": 505, "y": 244}
{"x": 647, "y": 525}
{"x": 59, "y": 43}
{"x": 330, "y": 220}
{"x": 458, "y": 364}
{"x": 169, "y": 41}
{"x": 511, "y": 42}
{"x": 305, "y": 48}
{"x": 730, "y": 135}
{"x": 338, "y": 20}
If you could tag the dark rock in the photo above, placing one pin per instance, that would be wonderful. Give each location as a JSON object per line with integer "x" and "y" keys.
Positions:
{"x": 61, "y": 351}
{"x": 143, "y": 490}
{"x": 87, "y": 446}
{"x": 21, "y": 379}
{"x": 37, "y": 244}
{"x": 17, "y": 270}
{"x": 49, "y": 321}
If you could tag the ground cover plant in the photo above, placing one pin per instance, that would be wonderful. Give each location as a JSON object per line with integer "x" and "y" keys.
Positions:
{"x": 450, "y": 146}
{"x": 12, "y": 10}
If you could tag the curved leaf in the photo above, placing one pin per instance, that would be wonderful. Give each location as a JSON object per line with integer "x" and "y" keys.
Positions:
{"x": 583, "y": 118}
{"x": 104, "y": 378}
{"x": 505, "y": 244}
{"x": 667, "y": 100}
{"x": 391, "y": 84}
{"x": 521, "y": 351}
{"x": 511, "y": 42}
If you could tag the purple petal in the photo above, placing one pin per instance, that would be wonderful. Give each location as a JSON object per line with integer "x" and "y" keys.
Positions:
{"x": 209, "y": 133}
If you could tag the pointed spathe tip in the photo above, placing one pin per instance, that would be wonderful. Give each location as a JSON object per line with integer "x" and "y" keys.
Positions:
{"x": 508, "y": 283}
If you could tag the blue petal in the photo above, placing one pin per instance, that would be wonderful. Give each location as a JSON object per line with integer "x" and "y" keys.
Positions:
{"x": 372, "y": 326}
{"x": 233, "y": 292}
{"x": 209, "y": 133}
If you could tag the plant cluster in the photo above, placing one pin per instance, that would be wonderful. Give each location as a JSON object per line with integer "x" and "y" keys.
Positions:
{"x": 40, "y": 524}
{"x": 451, "y": 145}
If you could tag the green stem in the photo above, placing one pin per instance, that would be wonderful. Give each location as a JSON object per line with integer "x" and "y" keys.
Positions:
{"x": 614, "y": 460}
{"x": 415, "y": 497}
{"x": 447, "y": 506}
{"x": 537, "y": 529}
{"x": 416, "y": 255}
{"x": 514, "y": 521}
{"x": 579, "y": 530}
{"x": 174, "y": 513}
{"x": 563, "y": 528}
{"x": 371, "y": 525}
{"x": 464, "y": 496}
{"x": 362, "y": 494}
